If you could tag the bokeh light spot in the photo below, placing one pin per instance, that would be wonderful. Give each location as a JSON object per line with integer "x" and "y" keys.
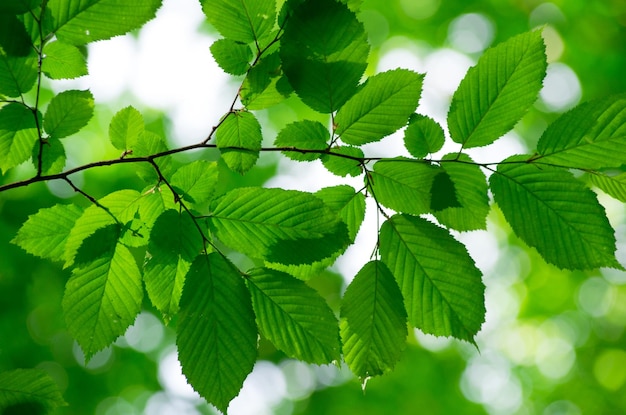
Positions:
{"x": 471, "y": 33}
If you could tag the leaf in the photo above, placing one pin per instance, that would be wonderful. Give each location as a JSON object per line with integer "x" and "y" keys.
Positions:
{"x": 265, "y": 85}
{"x": 373, "y": 322}
{"x": 17, "y": 74}
{"x": 104, "y": 294}
{"x": 44, "y": 233}
{"x": 443, "y": 193}
{"x": 403, "y": 184}
{"x": 243, "y": 21}
{"x": 195, "y": 182}
{"x": 423, "y": 136}
{"x": 293, "y": 316}
{"x": 324, "y": 52}
{"x": 14, "y": 40}
{"x": 174, "y": 243}
{"x": 590, "y": 136}
{"x": 53, "y": 158}
{"x": 18, "y": 134}
{"x": 283, "y": 226}
{"x": 28, "y": 391}
{"x": 63, "y": 61}
{"x": 470, "y": 187}
{"x": 79, "y": 22}
{"x": 614, "y": 186}
{"x": 216, "y": 333}
{"x": 303, "y": 135}
{"x": 344, "y": 161}
{"x": 239, "y": 140}
{"x": 497, "y": 92}
{"x": 348, "y": 204}
{"x": 233, "y": 57}
{"x": 68, "y": 113}
{"x": 148, "y": 144}
{"x": 554, "y": 213}
{"x": 442, "y": 288}
{"x": 18, "y": 7}
{"x": 125, "y": 128}
{"x": 382, "y": 106}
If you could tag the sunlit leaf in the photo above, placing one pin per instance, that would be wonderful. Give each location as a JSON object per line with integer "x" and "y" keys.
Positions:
{"x": 18, "y": 134}
{"x": 28, "y": 391}
{"x": 613, "y": 185}
{"x": 239, "y": 140}
{"x": 53, "y": 156}
{"x": 243, "y": 20}
{"x": 233, "y": 57}
{"x": 125, "y": 128}
{"x": 216, "y": 332}
{"x": 195, "y": 182}
{"x": 68, "y": 113}
{"x": 303, "y": 135}
{"x": 350, "y": 205}
{"x": 265, "y": 85}
{"x": 423, "y": 136}
{"x": 344, "y": 161}
{"x": 149, "y": 143}
{"x": 63, "y": 61}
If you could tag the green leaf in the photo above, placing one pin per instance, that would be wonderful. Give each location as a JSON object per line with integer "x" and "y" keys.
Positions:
{"x": 216, "y": 333}
{"x": 423, "y": 136}
{"x": 79, "y": 22}
{"x": 243, "y": 21}
{"x": 403, "y": 184}
{"x": 104, "y": 294}
{"x": 233, "y": 57}
{"x": 174, "y": 243}
{"x": 45, "y": 233}
{"x": 614, "y": 186}
{"x": 147, "y": 144}
{"x": 63, "y": 61}
{"x": 283, "y": 226}
{"x": 442, "y": 288}
{"x": 53, "y": 158}
{"x": 18, "y": 134}
{"x": 470, "y": 187}
{"x": 344, "y": 161}
{"x": 18, "y": 7}
{"x": 68, "y": 113}
{"x": 555, "y": 213}
{"x": 373, "y": 322}
{"x": 324, "y": 65}
{"x": 126, "y": 127}
{"x": 303, "y": 135}
{"x": 195, "y": 182}
{"x": 382, "y": 106}
{"x": 30, "y": 391}
{"x": 239, "y": 140}
{"x": 265, "y": 85}
{"x": 590, "y": 136}
{"x": 14, "y": 40}
{"x": 348, "y": 204}
{"x": 293, "y": 316}
{"x": 497, "y": 92}
{"x": 443, "y": 193}
{"x": 17, "y": 74}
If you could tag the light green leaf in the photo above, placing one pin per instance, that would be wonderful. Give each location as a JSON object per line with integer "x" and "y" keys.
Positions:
{"x": 63, "y": 61}
{"x": 344, "y": 161}
{"x": 195, "y": 182}
{"x": 323, "y": 65}
{"x": 44, "y": 233}
{"x": 68, "y": 113}
{"x": 382, "y": 106}
{"x": 125, "y": 128}
{"x": 612, "y": 185}
{"x": 373, "y": 322}
{"x": 350, "y": 205}
{"x": 104, "y": 294}
{"x": 303, "y": 135}
{"x": 555, "y": 213}
{"x": 79, "y": 22}
{"x": 293, "y": 316}
{"x": 239, "y": 140}
{"x": 243, "y": 21}
{"x": 423, "y": 136}
{"x": 28, "y": 391}
{"x": 497, "y": 92}
{"x": 216, "y": 332}
{"x": 18, "y": 134}
{"x": 282, "y": 226}
{"x": 470, "y": 185}
{"x": 233, "y": 57}
{"x": 403, "y": 184}
{"x": 17, "y": 74}
{"x": 442, "y": 288}
{"x": 147, "y": 144}
{"x": 53, "y": 158}
{"x": 174, "y": 243}
{"x": 265, "y": 85}
{"x": 590, "y": 136}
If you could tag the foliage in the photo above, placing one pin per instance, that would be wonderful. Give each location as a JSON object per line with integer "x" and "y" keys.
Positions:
{"x": 177, "y": 233}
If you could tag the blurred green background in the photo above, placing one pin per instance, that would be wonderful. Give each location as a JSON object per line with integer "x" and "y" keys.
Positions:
{"x": 553, "y": 343}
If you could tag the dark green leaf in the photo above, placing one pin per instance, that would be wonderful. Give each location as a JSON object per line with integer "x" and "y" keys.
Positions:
{"x": 239, "y": 140}
{"x": 68, "y": 113}
{"x": 233, "y": 57}
{"x": 265, "y": 85}
{"x": 344, "y": 161}
{"x": 53, "y": 156}
{"x": 293, "y": 316}
{"x": 126, "y": 127}
{"x": 14, "y": 40}
{"x": 18, "y": 6}
{"x": 442, "y": 288}
{"x": 216, "y": 333}
{"x": 18, "y": 134}
{"x": 556, "y": 214}
{"x": 63, "y": 61}
{"x": 373, "y": 322}
{"x": 303, "y": 135}
{"x": 17, "y": 74}
{"x": 423, "y": 136}
{"x": 243, "y": 21}
{"x": 443, "y": 193}
{"x": 497, "y": 92}
{"x": 28, "y": 389}
{"x": 195, "y": 182}
{"x": 149, "y": 143}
